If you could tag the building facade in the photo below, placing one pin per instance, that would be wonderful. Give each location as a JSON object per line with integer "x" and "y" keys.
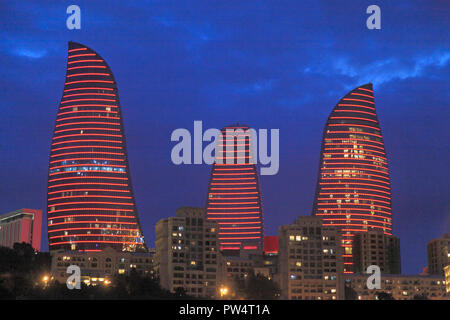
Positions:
{"x": 187, "y": 253}
{"x": 91, "y": 203}
{"x": 447, "y": 279}
{"x": 353, "y": 190}
{"x": 310, "y": 261}
{"x": 401, "y": 287}
{"x": 376, "y": 248}
{"x": 23, "y": 225}
{"x": 100, "y": 267}
{"x": 438, "y": 255}
{"x": 234, "y": 196}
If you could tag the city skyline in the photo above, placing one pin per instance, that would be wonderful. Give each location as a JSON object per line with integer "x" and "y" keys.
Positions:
{"x": 177, "y": 82}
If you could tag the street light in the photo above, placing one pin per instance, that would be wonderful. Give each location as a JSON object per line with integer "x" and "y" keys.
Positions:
{"x": 223, "y": 291}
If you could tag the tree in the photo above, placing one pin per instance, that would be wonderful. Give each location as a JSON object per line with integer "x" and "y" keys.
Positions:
{"x": 256, "y": 287}
{"x": 350, "y": 293}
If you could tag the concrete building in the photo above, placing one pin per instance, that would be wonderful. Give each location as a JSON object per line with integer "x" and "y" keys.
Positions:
{"x": 100, "y": 266}
{"x": 23, "y": 225}
{"x": 187, "y": 253}
{"x": 376, "y": 248}
{"x": 447, "y": 280}
{"x": 310, "y": 261}
{"x": 401, "y": 287}
{"x": 236, "y": 268}
{"x": 438, "y": 255}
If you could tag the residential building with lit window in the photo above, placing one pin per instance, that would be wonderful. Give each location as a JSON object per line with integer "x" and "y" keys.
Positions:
{"x": 310, "y": 261}
{"x": 401, "y": 287}
{"x": 187, "y": 253}
{"x": 234, "y": 196}
{"x": 438, "y": 254}
{"x": 23, "y": 225}
{"x": 447, "y": 279}
{"x": 100, "y": 266}
{"x": 270, "y": 258}
{"x": 353, "y": 189}
{"x": 90, "y": 200}
{"x": 376, "y": 248}
{"x": 236, "y": 268}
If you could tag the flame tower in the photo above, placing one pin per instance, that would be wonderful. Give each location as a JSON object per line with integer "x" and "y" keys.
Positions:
{"x": 234, "y": 197}
{"x": 353, "y": 189}
{"x": 90, "y": 196}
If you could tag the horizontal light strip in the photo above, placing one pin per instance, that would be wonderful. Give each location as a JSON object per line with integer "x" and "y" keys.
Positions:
{"x": 92, "y": 202}
{"x": 89, "y": 88}
{"x": 88, "y": 134}
{"x": 90, "y": 196}
{"x": 359, "y": 100}
{"x": 86, "y": 67}
{"x": 351, "y": 199}
{"x": 355, "y": 219}
{"x": 93, "y": 99}
{"x": 93, "y": 235}
{"x": 361, "y": 194}
{"x": 77, "y": 164}
{"x": 81, "y": 55}
{"x": 90, "y": 228}
{"x": 74, "y": 171}
{"x": 86, "y": 183}
{"x": 353, "y": 212}
{"x": 79, "y": 147}
{"x": 89, "y": 81}
{"x": 88, "y": 177}
{"x": 87, "y": 74}
{"x": 97, "y": 190}
{"x": 89, "y": 122}
{"x": 357, "y": 179}
{"x": 92, "y": 241}
{"x": 79, "y": 129}
{"x": 357, "y": 111}
{"x": 79, "y": 61}
{"x": 87, "y": 140}
{"x": 90, "y": 209}
{"x": 354, "y": 118}
{"x": 357, "y": 188}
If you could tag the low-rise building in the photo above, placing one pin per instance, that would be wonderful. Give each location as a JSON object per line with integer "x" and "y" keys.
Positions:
{"x": 187, "y": 253}
{"x": 23, "y": 225}
{"x": 100, "y": 266}
{"x": 376, "y": 248}
{"x": 401, "y": 287}
{"x": 310, "y": 261}
{"x": 438, "y": 254}
{"x": 447, "y": 279}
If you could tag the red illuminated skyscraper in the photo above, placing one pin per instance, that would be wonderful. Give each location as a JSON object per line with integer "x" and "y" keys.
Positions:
{"x": 234, "y": 197}
{"x": 90, "y": 196}
{"x": 353, "y": 190}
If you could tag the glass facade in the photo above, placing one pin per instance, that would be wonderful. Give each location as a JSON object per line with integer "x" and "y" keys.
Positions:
{"x": 353, "y": 189}
{"x": 234, "y": 197}
{"x": 90, "y": 196}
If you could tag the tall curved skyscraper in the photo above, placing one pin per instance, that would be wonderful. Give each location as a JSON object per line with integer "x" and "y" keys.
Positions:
{"x": 90, "y": 196}
{"x": 234, "y": 197}
{"x": 353, "y": 189}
